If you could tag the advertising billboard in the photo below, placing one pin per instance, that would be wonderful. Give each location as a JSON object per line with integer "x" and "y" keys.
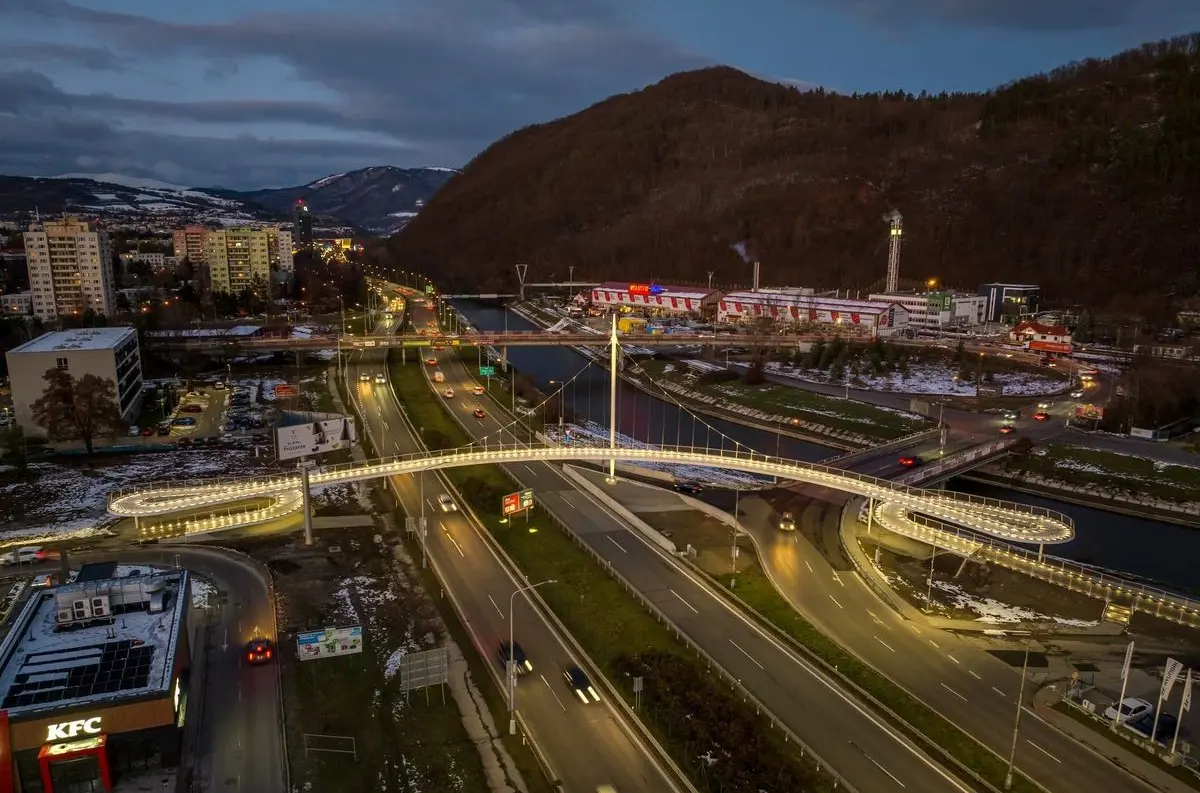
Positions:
{"x": 329, "y": 642}
{"x": 285, "y": 391}
{"x": 304, "y": 434}
{"x": 1051, "y": 346}
{"x": 516, "y": 502}
{"x": 1089, "y": 412}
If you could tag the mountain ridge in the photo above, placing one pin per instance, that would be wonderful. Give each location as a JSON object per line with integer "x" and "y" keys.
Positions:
{"x": 1084, "y": 180}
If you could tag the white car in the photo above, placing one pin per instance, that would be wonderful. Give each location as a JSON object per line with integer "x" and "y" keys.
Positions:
{"x": 364, "y": 378}
{"x": 448, "y": 393}
{"x": 380, "y": 379}
{"x": 25, "y": 555}
{"x": 1132, "y": 709}
{"x": 446, "y": 503}
{"x": 1076, "y": 395}
{"x": 479, "y": 390}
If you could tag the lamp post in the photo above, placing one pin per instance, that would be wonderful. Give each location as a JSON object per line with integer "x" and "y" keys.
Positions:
{"x": 511, "y": 665}
{"x": 1012, "y": 754}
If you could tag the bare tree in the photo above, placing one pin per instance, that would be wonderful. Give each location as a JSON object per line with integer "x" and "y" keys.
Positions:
{"x": 77, "y": 410}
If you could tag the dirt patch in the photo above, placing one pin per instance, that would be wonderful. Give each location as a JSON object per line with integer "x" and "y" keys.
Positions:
{"x": 967, "y": 591}
{"x": 711, "y": 538}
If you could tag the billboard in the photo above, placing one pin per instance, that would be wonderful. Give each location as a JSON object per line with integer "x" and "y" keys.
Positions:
{"x": 1051, "y": 346}
{"x": 329, "y": 642}
{"x": 989, "y": 390}
{"x": 285, "y": 391}
{"x": 937, "y": 302}
{"x": 1089, "y": 412}
{"x": 304, "y": 434}
{"x": 516, "y": 502}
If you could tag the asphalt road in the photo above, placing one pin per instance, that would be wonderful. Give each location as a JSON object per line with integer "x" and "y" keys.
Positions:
{"x": 870, "y": 755}
{"x": 241, "y": 741}
{"x": 586, "y": 745}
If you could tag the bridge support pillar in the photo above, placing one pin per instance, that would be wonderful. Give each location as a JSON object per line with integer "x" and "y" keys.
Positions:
{"x": 304, "y": 504}
{"x": 504, "y": 359}
{"x": 614, "y": 355}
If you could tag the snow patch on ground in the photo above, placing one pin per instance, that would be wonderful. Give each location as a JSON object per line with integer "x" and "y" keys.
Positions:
{"x": 995, "y": 612}
{"x": 926, "y": 378}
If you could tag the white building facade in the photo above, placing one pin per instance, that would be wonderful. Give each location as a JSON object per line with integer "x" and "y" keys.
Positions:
{"x": 938, "y": 310}
{"x": 17, "y": 303}
{"x": 655, "y": 299}
{"x": 70, "y": 269}
{"x": 800, "y": 307}
{"x": 109, "y": 353}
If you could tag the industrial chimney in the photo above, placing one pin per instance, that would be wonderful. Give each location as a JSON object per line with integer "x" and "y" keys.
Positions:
{"x": 895, "y": 235}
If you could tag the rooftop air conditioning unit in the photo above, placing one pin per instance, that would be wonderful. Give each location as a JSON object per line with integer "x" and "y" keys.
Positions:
{"x": 100, "y": 607}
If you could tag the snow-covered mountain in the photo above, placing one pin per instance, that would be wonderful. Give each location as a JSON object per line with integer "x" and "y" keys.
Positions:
{"x": 381, "y": 199}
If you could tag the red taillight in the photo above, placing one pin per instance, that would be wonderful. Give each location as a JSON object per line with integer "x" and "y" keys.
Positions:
{"x": 268, "y": 653}
{"x": 249, "y": 656}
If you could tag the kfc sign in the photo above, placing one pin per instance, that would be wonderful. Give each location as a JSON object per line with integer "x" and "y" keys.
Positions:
{"x": 71, "y": 729}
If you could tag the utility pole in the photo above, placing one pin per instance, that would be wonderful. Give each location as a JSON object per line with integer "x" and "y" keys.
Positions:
{"x": 613, "y": 360}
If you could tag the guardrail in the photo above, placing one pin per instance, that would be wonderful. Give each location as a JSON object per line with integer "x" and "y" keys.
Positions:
{"x": 843, "y": 460}
{"x": 976, "y": 455}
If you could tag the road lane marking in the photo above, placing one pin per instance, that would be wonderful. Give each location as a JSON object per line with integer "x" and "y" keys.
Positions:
{"x": 952, "y": 658}
{"x": 684, "y": 602}
{"x": 614, "y": 542}
{"x": 1043, "y": 751}
{"x": 952, "y": 691}
{"x": 457, "y": 547}
{"x": 567, "y": 501}
{"x": 550, "y": 688}
{"x": 838, "y": 578}
{"x": 431, "y": 506}
{"x": 530, "y": 470}
{"x": 935, "y": 644}
{"x": 809, "y": 566}
{"x": 998, "y": 691}
{"x": 748, "y": 655}
{"x": 975, "y": 674}
{"x": 878, "y": 621}
{"x": 876, "y": 763}
{"x": 498, "y": 611}
{"x": 835, "y": 602}
{"x": 885, "y": 644}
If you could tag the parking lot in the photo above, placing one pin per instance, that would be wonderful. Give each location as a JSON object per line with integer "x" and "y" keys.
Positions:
{"x": 211, "y": 414}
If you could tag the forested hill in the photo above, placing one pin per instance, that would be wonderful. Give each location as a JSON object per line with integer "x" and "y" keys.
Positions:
{"x": 1085, "y": 180}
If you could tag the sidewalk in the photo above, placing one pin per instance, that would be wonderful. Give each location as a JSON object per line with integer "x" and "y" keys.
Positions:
{"x": 1109, "y": 749}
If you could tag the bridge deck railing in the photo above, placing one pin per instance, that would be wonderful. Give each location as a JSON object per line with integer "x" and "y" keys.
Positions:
{"x": 284, "y": 480}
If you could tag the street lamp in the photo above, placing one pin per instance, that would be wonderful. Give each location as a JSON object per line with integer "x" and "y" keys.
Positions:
{"x": 512, "y": 665}
{"x": 1012, "y": 755}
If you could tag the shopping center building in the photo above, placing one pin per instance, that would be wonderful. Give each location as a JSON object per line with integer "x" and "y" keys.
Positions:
{"x": 93, "y": 681}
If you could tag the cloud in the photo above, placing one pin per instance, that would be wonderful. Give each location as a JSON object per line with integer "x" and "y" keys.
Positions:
{"x": 1025, "y": 15}
{"x": 100, "y": 59}
{"x": 441, "y": 77}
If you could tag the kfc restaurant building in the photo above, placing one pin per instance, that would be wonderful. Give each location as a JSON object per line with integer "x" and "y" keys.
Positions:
{"x": 93, "y": 683}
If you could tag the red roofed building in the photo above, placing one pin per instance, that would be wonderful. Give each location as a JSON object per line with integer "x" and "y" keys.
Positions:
{"x": 1043, "y": 338}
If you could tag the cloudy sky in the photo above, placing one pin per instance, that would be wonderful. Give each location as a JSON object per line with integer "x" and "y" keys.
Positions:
{"x": 278, "y": 92}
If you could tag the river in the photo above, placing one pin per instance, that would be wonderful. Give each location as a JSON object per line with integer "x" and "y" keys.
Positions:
{"x": 1142, "y": 546}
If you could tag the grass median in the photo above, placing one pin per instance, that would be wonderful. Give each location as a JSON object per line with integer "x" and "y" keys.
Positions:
{"x": 690, "y": 710}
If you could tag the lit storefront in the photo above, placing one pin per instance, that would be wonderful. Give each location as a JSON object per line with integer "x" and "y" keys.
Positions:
{"x": 93, "y": 683}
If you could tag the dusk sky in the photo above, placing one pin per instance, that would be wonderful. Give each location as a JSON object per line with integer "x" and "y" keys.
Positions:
{"x": 216, "y": 94}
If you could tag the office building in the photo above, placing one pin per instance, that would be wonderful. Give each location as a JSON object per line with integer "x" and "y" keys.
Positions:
{"x": 1010, "y": 303}
{"x": 938, "y": 310}
{"x": 70, "y": 269}
{"x": 189, "y": 243}
{"x": 237, "y": 258}
{"x": 302, "y": 226}
{"x": 94, "y": 681}
{"x": 109, "y": 353}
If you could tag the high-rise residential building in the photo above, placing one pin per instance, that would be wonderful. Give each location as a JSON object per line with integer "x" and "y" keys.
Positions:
{"x": 236, "y": 257}
{"x": 189, "y": 243}
{"x": 280, "y": 246}
{"x": 302, "y": 225}
{"x": 70, "y": 269}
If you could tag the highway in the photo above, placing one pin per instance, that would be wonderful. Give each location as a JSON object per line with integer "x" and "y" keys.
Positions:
{"x": 241, "y": 739}
{"x": 586, "y": 745}
{"x": 835, "y": 726}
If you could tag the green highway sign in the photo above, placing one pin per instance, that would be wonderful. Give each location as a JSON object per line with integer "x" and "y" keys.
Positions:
{"x": 429, "y": 289}
{"x": 487, "y": 371}
{"x": 417, "y": 342}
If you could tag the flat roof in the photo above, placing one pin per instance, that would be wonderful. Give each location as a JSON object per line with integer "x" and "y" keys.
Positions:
{"x": 668, "y": 290}
{"x": 204, "y": 333}
{"x": 128, "y": 652}
{"x": 77, "y": 339}
{"x": 810, "y": 301}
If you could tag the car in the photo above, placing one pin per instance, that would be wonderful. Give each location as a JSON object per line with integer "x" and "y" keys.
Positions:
{"x": 447, "y": 503}
{"x": 164, "y": 429}
{"x": 437, "y": 348}
{"x": 478, "y": 390}
{"x": 149, "y": 432}
{"x": 787, "y": 522}
{"x": 1143, "y": 725}
{"x": 1007, "y": 429}
{"x": 578, "y": 680}
{"x": 431, "y": 361}
{"x": 134, "y": 431}
{"x": 515, "y": 655}
{"x": 1132, "y": 709}
{"x": 184, "y": 422}
{"x": 1077, "y": 394}
{"x": 364, "y": 378}
{"x": 688, "y": 488}
{"x": 219, "y": 386}
{"x": 1012, "y": 415}
{"x": 448, "y": 393}
{"x": 259, "y": 651}
{"x": 192, "y": 409}
{"x": 909, "y": 461}
{"x": 28, "y": 554}
{"x": 380, "y": 379}
{"x": 1043, "y": 405}
{"x": 1041, "y": 415}
{"x": 185, "y": 442}
{"x": 479, "y": 413}
{"x": 606, "y": 789}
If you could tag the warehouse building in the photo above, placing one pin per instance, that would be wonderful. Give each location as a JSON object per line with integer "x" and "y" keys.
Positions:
{"x": 93, "y": 681}
{"x": 656, "y": 299}
{"x": 938, "y": 310}
{"x": 800, "y": 307}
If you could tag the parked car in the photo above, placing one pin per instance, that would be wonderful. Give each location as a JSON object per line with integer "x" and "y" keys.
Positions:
{"x": 149, "y": 432}
{"x": 1132, "y": 708}
{"x": 1144, "y": 724}
{"x": 134, "y": 431}
{"x": 192, "y": 408}
{"x": 184, "y": 421}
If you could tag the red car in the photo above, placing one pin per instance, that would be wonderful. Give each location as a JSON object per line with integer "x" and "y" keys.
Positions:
{"x": 909, "y": 461}
{"x": 1041, "y": 415}
{"x": 259, "y": 651}
{"x": 1007, "y": 429}
{"x": 431, "y": 361}
{"x": 192, "y": 409}
{"x": 479, "y": 414}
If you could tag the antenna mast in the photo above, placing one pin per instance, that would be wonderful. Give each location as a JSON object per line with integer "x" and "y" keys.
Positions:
{"x": 895, "y": 235}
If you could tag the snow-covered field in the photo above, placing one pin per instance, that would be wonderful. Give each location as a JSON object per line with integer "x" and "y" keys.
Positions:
{"x": 69, "y": 500}
{"x": 928, "y": 378}
{"x": 996, "y": 612}
{"x": 591, "y": 434}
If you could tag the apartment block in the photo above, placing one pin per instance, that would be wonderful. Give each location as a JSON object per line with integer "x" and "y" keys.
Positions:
{"x": 189, "y": 243}
{"x": 280, "y": 246}
{"x": 70, "y": 268}
{"x": 236, "y": 257}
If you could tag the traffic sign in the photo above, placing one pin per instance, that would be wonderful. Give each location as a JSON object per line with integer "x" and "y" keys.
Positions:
{"x": 487, "y": 371}
{"x": 516, "y": 502}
